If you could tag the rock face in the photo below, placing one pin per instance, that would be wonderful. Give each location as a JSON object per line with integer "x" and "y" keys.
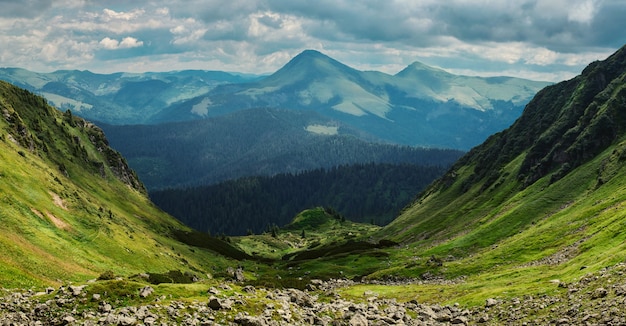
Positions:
{"x": 594, "y": 299}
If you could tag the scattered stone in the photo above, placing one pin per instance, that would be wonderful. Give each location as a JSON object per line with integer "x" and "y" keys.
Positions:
{"x": 218, "y": 304}
{"x": 599, "y": 293}
{"x": 297, "y": 307}
{"x": 460, "y": 320}
{"x": 76, "y": 290}
{"x": 106, "y": 308}
{"x": 146, "y": 291}
{"x": 239, "y": 277}
{"x": 67, "y": 320}
{"x": 358, "y": 320}
{"x": 249, "y": 321}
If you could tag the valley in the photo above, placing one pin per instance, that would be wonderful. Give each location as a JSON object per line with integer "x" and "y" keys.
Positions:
{"x": 524, "y": 228}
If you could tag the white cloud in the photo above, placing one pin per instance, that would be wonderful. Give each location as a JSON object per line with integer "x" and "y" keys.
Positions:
{"x": 540, "y": 37}
{"x": 109, "y": 15}
{"x": 109, "y": 43}
{"x": 130, "y": 42}
{"x": 126, "y": 43}
{"x": 582, "y": 11}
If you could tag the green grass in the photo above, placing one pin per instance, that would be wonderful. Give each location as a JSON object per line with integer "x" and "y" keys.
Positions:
{"x": 63, "y": 220}
{"x": 509, "y": 240}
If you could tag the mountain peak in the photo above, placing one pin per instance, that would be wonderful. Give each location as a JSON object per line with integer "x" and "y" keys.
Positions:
{"x": 309, "y": 65}
{"x": 420, "y": 69}
{"x": 314, "y": 58}
{"x": 311, "y": 54}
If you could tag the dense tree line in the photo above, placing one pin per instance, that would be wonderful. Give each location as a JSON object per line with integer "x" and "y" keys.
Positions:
{"x": 373, "y": 193}
{"x": 253, "y": 142}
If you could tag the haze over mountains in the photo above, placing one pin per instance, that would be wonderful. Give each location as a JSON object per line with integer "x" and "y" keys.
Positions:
{"x": 420, "y": 105}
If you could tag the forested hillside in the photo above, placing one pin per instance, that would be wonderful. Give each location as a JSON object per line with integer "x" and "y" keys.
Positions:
{"x": 253, "y": 142}
{"x": 371, "y": 193}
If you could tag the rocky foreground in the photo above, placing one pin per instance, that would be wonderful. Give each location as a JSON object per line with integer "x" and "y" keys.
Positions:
{"x": 596, "y": 299}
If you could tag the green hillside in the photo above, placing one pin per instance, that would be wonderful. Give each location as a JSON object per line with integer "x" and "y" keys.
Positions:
{"x": 70, "y": 208}
{"x": 539, "y": 201}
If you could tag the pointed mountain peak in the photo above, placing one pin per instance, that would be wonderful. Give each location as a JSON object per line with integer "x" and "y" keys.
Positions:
{"x": 418, "y": 68}
{"x": 311, "y": 54}
{"x": 313, "y": 57}
{"x": 309, "y": 65}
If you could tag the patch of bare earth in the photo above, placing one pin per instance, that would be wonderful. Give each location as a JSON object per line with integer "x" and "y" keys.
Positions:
{"x": 57, "y": 222}
{"x": 58, "y": 201}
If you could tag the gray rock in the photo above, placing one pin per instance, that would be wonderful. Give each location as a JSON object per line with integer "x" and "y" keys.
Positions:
{"x": 106, "y": 308}
{"x": 146, "y": 291}
{"x": 249, "y": 320}
{"x": 460, "y": 320}
{"x": 68, "y": 320}
{"x": 218, "y": 304}
{"x": 149, "y": 321}
{"x": 358, "y": 320}
{"x": 76, "y": 290}
{"x": 239, "y": 277}
{"x": 491, "y": 302}
{"x": 427, "y": 313}
{"x": 127, "y": 320}
{"x": 599, "y": 293}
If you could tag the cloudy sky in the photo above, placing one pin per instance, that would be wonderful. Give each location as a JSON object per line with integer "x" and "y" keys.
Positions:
{"x": 538, "y": 39}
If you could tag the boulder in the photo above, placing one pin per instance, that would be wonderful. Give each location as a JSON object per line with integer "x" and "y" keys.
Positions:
{"x": 599, "y": 293}
{"x": 239, "y": 277}
{"x": 76, "y": 290}
{"x": 358, "y": 320}
{"x": 218, "y": 304}
{"x": 249, "y": 320}
{"x": 146, "y": 291}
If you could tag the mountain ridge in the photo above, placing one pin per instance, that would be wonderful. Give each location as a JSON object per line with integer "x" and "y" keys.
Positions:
{"x": 550, "y": 169}
{"x": 426, "y": 107}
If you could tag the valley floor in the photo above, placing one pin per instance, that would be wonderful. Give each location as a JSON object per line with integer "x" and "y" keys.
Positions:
{"x": 597, "y": 298}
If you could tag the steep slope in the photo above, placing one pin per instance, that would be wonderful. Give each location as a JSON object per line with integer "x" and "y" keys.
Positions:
{"x": 419, "y": 106}
{"x": 543, "y": 199}
{"x": 70, "y": 207}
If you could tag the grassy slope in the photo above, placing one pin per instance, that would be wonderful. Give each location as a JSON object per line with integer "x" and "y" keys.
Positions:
{"x": 59, "y": 227}
{"x": 505, "y": 237}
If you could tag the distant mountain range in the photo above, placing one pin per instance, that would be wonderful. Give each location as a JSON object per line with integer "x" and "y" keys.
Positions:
{"x": 420, "y": 105}
{"x": 119, "y": 98}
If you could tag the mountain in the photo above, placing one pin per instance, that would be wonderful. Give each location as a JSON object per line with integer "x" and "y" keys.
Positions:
{"x": 418, "y": 106}
{"x": 119, "y": 98}
{"x": 254, "y": 142}
{"x": 542, "y": 200}
{"x": 70, "y": 207}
